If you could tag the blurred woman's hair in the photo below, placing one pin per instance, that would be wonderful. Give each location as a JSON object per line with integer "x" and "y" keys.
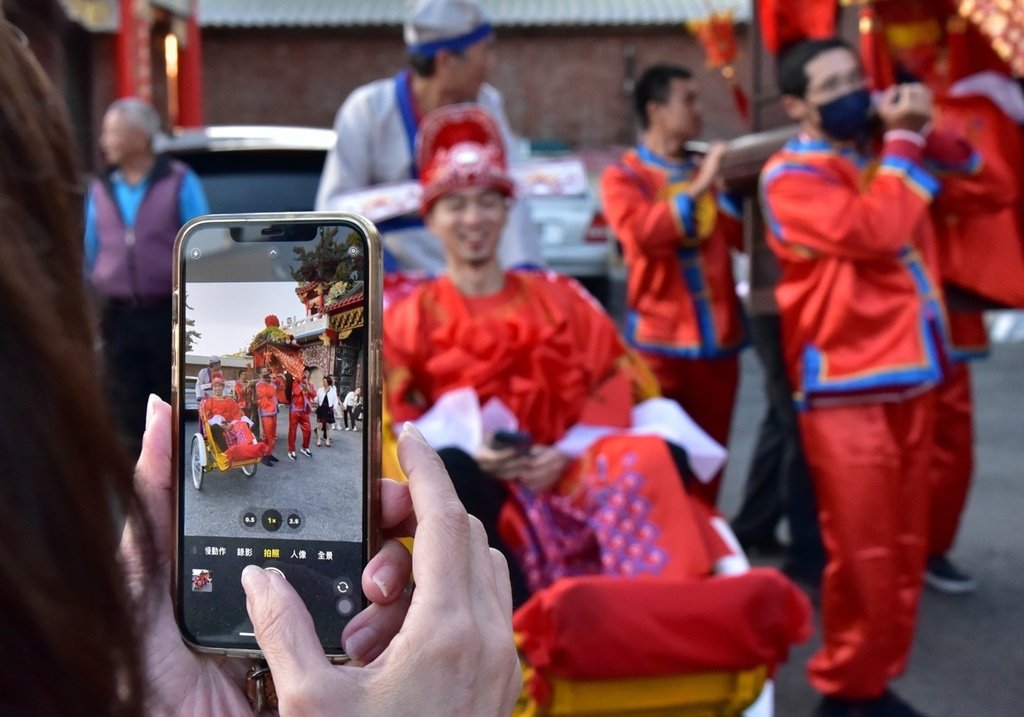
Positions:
{"x": 67, "y": 626}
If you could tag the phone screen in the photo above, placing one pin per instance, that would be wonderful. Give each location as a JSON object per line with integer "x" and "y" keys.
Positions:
{"x": 285, "y": 307}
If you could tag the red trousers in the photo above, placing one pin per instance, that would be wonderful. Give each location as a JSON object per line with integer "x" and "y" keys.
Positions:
{"x": 870, "y": 466}
{"x": 296, "y": 420}
{"x": 952, "y": 457}
{"x": 706, "y": 389}
{"x": 269, "y": 426}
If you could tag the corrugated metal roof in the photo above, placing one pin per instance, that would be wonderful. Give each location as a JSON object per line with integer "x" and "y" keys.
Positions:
{"x": 504, "y": 13}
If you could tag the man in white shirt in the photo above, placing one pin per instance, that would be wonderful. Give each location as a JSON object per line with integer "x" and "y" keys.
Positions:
{"x": 451, "y": 50}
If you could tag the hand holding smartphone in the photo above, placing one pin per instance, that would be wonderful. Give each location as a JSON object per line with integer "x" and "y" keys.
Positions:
{"x": 294, "y": 300}
{"x": 521, "y": 441}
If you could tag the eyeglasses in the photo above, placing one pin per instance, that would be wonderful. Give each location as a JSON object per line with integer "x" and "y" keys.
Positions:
{"x": 837, "y": 84}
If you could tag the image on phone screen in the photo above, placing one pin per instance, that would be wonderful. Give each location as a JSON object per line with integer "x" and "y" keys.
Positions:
{"x": 272, "y": 337}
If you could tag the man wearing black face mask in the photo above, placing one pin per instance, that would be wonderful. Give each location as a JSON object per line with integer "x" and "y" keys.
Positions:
{"x": 865, "y": 339}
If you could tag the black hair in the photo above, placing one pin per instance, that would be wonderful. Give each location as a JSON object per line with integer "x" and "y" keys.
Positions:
{"x": 653, "y": 86}
{"x": 422, "y": 65}
{"x": 791, "y": 66}
{"x": 426, "y": 66}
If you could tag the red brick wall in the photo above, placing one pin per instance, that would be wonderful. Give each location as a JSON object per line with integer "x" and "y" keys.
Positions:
{"x": 565, "y": 85}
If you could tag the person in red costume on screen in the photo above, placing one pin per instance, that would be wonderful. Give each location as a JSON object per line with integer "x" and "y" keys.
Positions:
{"x": 229, "y": 427}
{"x": 301, "y": 404}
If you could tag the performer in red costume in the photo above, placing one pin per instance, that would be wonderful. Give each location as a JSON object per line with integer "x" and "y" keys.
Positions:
{"x": 266, "y": 400}
{"x": 676, "y": 233}
{"x": 303, "y": 399}
{"x": 575, "y": 496}
{"x": 229, "y": 426}
{"x": 866, "y": 337}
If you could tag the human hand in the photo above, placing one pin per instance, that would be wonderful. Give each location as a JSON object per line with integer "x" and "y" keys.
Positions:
{"x": 182, "y": 682}
{"x": 501, "y": 463}
{"x": 544, "y": 468}
{"x": 906, "y": 107}
{"x": 454, "y": 654}
{"x": 710, "y": 167}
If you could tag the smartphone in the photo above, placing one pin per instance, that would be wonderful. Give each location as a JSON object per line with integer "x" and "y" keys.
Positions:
{"x": 522, "y": 441}
{"x": 288, "y": 303}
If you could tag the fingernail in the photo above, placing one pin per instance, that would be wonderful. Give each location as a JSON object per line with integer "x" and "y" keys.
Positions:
{"x": 360, "y": 644}
{"x": 383, "y": 578}
{"x": 151, "y": 409}
{"x": 409, "y": 429}
{"x": 254, "y": 578}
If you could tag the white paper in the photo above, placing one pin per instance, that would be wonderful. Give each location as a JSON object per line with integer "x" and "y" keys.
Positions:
{"x": 658, "y": 417}
{"x": 453, "y": 421}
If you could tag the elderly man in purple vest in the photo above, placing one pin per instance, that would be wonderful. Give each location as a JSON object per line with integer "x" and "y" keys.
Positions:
{"x": 133, "y": 213}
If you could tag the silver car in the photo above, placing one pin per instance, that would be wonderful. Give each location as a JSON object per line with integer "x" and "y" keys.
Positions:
{"x": 275, "y": 169}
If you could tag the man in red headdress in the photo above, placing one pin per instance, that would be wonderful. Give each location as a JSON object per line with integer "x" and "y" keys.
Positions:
{"x": 531, "y": 353}
{"x": 229, "y": 427}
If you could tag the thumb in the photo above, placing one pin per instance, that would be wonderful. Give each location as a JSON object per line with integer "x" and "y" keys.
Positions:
{"x": 283, "y": 627}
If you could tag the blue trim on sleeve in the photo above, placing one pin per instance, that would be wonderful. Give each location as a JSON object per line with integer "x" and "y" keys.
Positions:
{"x": 731, "y": 204}
{"x": 408, "y": 114}
{"x": 912, "y": 171}
{"x": 191, "y": 198}
{"x": 454, "y": 44}
{"x": 960, "y": 355}
{"x": 770, "y": 176}
{"x": 684, "y": 206}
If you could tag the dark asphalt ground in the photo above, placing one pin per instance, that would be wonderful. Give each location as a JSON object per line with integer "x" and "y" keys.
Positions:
{"x": 968, "y": 656}
{"x": 324, "y": 490}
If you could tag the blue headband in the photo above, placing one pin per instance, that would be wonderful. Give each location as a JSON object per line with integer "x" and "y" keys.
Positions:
{"x": 454, "y": 44}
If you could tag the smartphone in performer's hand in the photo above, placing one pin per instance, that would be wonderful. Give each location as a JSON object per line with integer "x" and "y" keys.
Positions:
{"x": 291, "y": 305}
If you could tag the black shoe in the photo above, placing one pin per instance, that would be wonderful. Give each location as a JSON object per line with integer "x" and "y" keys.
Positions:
{"x": 267, "y": 462}
{"x": 943, "y": 576}
{"x": 888, "y": 705}
{"x": 273, "y": 458}
{"x": 896, "y": 707}
{"x": 840, "y": 707}
{"x": 305, "y": 452}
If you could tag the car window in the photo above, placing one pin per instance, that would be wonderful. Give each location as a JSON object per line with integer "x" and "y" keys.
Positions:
{"x": 258, "y": 181}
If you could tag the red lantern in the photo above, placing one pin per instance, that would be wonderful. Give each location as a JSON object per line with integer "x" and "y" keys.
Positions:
{"x": 717, "y": 35}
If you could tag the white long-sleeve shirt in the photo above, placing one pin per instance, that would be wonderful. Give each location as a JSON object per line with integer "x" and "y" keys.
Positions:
{"x": 374, "y": 147}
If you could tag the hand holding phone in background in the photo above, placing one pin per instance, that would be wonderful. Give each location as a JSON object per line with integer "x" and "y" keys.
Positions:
{"x": 455, "y": 572}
